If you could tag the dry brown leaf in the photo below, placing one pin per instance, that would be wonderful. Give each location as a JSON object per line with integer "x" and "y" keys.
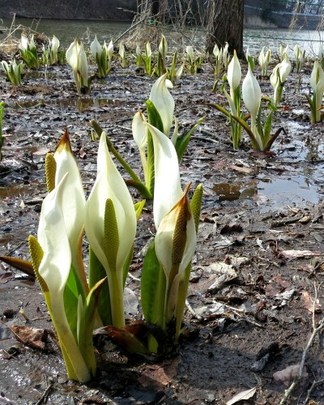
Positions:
{"x": 5, "y": 277}
{"x": 159, "y": 375}
{"x": 298, "y": 254}
{"x": 32, "y": 337}
{"x": 243, "y": 170}
{"x": 41, "y": 151}
{"x": 242, "y": 396}
{"x": 309, "y": 302}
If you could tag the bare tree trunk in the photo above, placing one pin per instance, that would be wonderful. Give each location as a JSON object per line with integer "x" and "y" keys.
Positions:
{"x": 225, "y": 24}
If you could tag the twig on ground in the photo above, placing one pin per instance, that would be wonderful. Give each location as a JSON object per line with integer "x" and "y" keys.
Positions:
{"x": 193, "y": 312}
{"x": 314, "y": 385}
{"x": 316, "y": 330}
{"x": 43, "y": 398}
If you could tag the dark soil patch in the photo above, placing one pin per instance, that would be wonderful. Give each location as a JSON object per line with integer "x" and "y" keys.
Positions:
{"x": 259, "y": 262}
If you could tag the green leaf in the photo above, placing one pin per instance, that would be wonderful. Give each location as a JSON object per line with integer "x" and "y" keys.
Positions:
{"x": 181, "y": 302}
{"x": 154, "y": 117}
{"x": 153, "y": 289}
{"x": 248, "y": 131}
{"x": 183, "y": 141}
{"x": 221, "y": 109}
{"x": 267, "y": 127}
{"x": 173, "y": 67}
{"x": 73, "y": 290}
{"x": 97, "y": 273}
{"x": 161, "y": 69}
{"x": 87, "y": 315}
{"x": 128, "y": 262}
{"x": 150, "y": 165}
{"x": 139, "y": 208}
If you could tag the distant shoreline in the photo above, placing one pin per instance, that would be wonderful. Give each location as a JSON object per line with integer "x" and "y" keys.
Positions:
{"x": 253, "y": 17}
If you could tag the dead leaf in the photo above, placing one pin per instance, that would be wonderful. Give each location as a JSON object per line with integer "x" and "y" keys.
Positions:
{"x": 231, "y": 227}
{"x": 287, "y": 375}
{"x": 243, "y": 170}
{"x": 305, "y": 219}
{"x": 309, "y": 302}
{"x": 32, "y": 337}
{"x": 159, "y": 375}
{"x": 222, "y": 273}
{"x": 242, "y": 396}
{"x": 298, "y": 254}
{"x": 82, "y": 153}
{"x": 5, "y": 277}
{"x": 41, "y": 151}
{"x": 227, "y": 191}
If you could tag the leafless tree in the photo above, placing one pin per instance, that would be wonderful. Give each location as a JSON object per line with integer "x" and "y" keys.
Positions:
{"x": 225, "y": 24}
{"x": 223, "y": 18}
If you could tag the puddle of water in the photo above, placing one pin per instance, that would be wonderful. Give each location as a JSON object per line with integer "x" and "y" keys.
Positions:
{"x": 231, "y": 192}
{"x": 84, "y": 104}
{"x": 296, "y": 149}
{"x": 280, "y": 192}
{"x": 295, "y": 190}
{"x": 81, "y": 104}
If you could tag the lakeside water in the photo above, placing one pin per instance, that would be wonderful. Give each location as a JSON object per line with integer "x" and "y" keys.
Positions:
{"x": 254, "y": 39}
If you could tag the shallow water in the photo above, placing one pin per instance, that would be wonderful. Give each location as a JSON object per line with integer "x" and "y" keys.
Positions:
{"x": 254, "y": 39}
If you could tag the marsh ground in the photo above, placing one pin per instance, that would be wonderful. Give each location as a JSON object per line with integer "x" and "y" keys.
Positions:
{"x": 256, "y": 285}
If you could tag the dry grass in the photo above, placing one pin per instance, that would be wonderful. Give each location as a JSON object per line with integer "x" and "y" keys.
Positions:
{"x": 10, "y": 43}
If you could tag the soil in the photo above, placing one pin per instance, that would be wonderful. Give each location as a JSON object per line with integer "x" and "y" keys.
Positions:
{"x": 256, "y": 291}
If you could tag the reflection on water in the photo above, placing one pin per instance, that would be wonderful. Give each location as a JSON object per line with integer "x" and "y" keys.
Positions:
{"x": 67, "y": 30}
{"x": 79, "y": 103}
{"x": 254, "y": 39}
{"x": 294, "y": 190}
{"x": 234, "y": 191}
{"x": 278, "y": 192}
{"x": 308, "y": 40}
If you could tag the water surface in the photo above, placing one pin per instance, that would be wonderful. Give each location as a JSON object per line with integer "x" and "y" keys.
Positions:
{"x": 254, "y": 39}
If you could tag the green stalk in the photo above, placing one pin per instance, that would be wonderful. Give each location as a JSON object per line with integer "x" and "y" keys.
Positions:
{"x": 76, "y": 367}
{"x": 159, "y": 310}
{"x": 116, "y": 298}
{"x": 181, "y": 302}
{"x": 254, "y": 129}
{"x": 312, "y": 104}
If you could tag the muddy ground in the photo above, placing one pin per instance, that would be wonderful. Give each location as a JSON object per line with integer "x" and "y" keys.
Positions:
{"x": 256, "y": 289}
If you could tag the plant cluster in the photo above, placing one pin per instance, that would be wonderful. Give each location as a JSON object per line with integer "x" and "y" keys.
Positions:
{"x": 78, "y": 301}
{"x": 258, "y": 122}
{"x": 259, "y": 130}
{"x": 158, "y": 63}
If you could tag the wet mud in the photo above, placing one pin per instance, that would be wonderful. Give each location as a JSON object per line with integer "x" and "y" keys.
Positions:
{"x": 256, "y": 290}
